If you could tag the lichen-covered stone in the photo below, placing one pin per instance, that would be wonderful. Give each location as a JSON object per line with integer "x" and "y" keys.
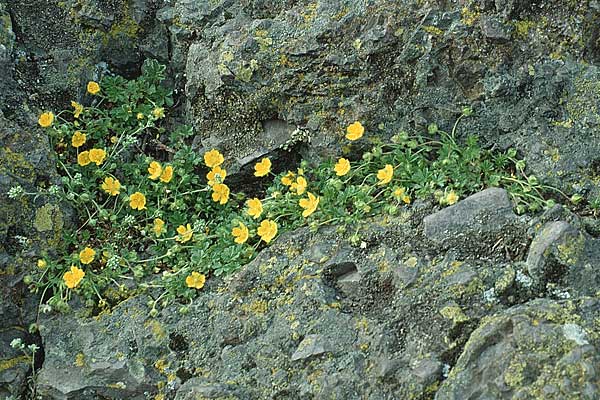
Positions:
{"x": 486, "y": 215}
{"x": 562, "y": 255}
{"x": 539, "y": 350}
{"x": 112, "y": 356}
{"x": 291, "y": 325}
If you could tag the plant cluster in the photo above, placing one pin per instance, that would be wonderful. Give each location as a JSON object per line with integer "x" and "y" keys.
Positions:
{"x": 156, "y": 214}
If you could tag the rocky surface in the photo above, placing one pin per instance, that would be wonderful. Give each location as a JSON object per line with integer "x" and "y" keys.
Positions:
{"x": 311, "y": 317}
{"x": 541, "y": 350}
{"x": 468, "y": 301}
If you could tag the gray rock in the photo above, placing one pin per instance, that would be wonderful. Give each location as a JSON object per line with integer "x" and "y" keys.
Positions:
{"x": 541, "y": 258}
{"x": 200, "y": 388}
{"x": 492, "y": 28}
{"x": 482, "y": 216}
{"x": 523, "y": 351}
{"x": 84, "y": 357}
{"x": 562, "y": 255}
{"x": 427, "y": 371}
{"x": 311, "y": 345}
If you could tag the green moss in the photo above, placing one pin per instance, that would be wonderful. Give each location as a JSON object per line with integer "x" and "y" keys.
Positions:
{"x": 256, "y": 307}
{"x": 157, "y": 329}
{"x": 12, "y": 163}
{"x": 12, "y": 362}
{"x": 513, "y": 376}
{"x": 570, "y": 251}
{"x": 583, "y": 102}
{"x": 433, "y": 30}
{"x": 469, "y": 17}
{"x": 49, "y": 218}
{"x": 454, "y": 313}
{"x": 124, "y": 27}
{"x": 523, "y": 27}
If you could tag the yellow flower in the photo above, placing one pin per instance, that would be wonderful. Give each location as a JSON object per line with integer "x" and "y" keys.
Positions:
{"x": 167, "y": 174}
{"x": 73, "y": 277}
{"x": 213, "y": 158}
{"x": 78, "y": 109}
{"x": 158, "y": 112}
{"x": 159, "y": 226}
{"x": 451, "y": 198}
{"x": 78, "y": 139}
{"x": 354, "y": 131}
{"x": 155, "y": 170}
{"x": 342, "y": 167}
{"x": 195, "y": 280}
{"x": 288, "y": 179}
{"x": 185, "y": 233}
{"x": 300, "y": 185}
{"x": 216, "y": 175}
{"x": 87, "y": 255}
{"x": 41, "y": 263}
{"x": 267, "y": 230}
{"x": 97, "y": 156}
{"x": 113, "y": 139}
{"x": 111, "y": 186}
{"x": 83, "y": 158}
{"x": 310, "y": 204}
{"x": 46, "y": 119}
{"x": 400, "y": 195}
{"x": 263, "y": 167}
{"x": 255, "y": 207}
{"x": 385, "y": 174}
{"x": 240, "y": 233}
{"x": 137, "y": 201}
{"x": 139, "y": 116}
{"x": 93, "y": 87}
{"x": 220, "y": 193}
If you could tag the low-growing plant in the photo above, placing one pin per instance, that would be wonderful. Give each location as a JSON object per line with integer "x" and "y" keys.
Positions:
{"x": 157, "y": 214}
{"x": 29, "y": 352}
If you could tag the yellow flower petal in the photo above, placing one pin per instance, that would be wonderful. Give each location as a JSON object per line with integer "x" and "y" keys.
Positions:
{"x": 299, "y": 186}
{"x": 342, "y": 167}
{"x": 111, "y": 186}
{"x": 240, "y": 233}
{"x": 267, "y": 230}
{"x": 195, "y": 280}
{"x": 93, "y": 87}
{"x": 185, "y": 233}
{"x": 73, "y": 277}
{"x": 155, "y": 170}
{"x": 46, "y": 119}
{"x": 159, "y": 226}
{"x": 310, "y": 204}
{"x": 78, "y": 139}
{"x": 86, "y": 256}
{"x": 213, "y": 158}
{"x": 385, "y": 174}
{"x": 97, "y": 156}
{"x": 216, "y": 175}
{"x": 255, "y": 207}
{"x": 167, "y": 174}
{"x": 263, "y": 167}
{"x": 220, "y": 193}
{"x": 288, "y": 179}
{"x": 83, "y": 158}
{"x": 354, "y": 131}
{"x": 78, "y": 109}
{"x": 137, "y": 201}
